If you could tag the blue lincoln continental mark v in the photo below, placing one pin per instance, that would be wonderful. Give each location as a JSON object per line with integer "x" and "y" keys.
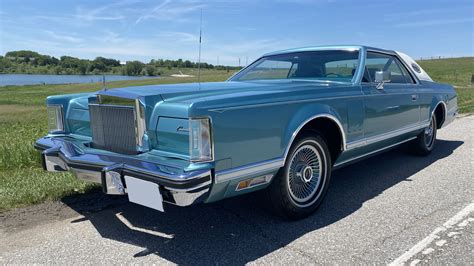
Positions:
{"x": 282, "y": 124}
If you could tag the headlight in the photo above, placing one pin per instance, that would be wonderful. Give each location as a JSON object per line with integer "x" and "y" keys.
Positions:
{"x": 200, "y": 140}
{"x": 55, "y": 118}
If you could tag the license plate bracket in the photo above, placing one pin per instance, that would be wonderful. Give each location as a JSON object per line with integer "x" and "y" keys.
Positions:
{"x": 144, "y": 192}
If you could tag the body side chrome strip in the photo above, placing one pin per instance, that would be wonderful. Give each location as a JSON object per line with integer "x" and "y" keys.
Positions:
{"x": 249, "y": 169}
{"x": 372, "y": 152}
{"x": 385, "y": 136}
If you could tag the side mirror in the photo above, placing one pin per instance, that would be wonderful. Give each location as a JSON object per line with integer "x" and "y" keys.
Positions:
{"x": 382, "y": 76}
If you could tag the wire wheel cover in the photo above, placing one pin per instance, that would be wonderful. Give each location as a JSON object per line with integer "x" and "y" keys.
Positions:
{"x": 304, "y": 174}
{"x": 429, "y": 133}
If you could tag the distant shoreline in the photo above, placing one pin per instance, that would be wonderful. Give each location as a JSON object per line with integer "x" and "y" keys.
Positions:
{"x": 53, "y": 79}
{"x": 74, "y": 74}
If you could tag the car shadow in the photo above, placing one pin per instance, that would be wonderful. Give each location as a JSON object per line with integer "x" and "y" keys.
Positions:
{"x": 239, "y": 230}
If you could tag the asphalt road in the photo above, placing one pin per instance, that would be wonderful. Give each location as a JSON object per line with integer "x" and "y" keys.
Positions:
{"x": 393, "y": 207}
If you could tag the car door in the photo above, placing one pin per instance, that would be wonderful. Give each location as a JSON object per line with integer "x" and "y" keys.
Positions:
{"x": 391, "y": 108}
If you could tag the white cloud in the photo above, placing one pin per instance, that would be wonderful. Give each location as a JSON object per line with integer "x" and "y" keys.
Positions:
{"x": 178, "y": 36}
{"x": 413, "y": 14}
{"x": 63, "y": 37}
{"x": 434, "y": 22}
{"x": 168, "y": 10}
{"x": 106, "y": 12}
{"x": 245, "y": 28}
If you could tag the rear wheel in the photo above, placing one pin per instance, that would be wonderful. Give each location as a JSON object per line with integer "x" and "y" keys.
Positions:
{"x": 426, "y": 140}
{"x": 300, "y": 186}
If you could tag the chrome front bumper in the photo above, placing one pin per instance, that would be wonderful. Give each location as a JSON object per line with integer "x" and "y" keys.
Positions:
{"x": 176, "y": 186}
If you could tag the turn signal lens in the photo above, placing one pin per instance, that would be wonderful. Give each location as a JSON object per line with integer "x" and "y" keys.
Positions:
{"x": 254, "y": 182}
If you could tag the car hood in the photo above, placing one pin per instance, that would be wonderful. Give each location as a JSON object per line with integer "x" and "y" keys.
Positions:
{"x": 193, "y": 91}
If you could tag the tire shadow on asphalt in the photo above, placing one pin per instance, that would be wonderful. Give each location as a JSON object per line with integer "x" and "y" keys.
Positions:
{"x": 240, "y": 229}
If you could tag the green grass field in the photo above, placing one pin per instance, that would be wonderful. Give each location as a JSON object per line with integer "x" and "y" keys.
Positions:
{"x": 455, "y": 71}
{"x": 23, "y": 120}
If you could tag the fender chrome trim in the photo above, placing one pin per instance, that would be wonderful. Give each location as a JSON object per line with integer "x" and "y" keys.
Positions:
{"x": 445, "y": 112}
{"x": 249, "y": 170}
{"x": 333, "y": 118}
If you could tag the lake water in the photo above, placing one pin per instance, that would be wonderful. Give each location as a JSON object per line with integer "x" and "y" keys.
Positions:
{"x": 32, "y": 79}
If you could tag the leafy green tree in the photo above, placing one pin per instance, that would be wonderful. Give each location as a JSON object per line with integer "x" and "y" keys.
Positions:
{"x": 97, "y": 67}
{"x": 69, "y": 62}
{"x": 188, "y": 64}
{"x": 108, "y": 62}
{"x": 82, "y": 67}
{"x": 150, "y": 70}
{"x": 25, "y": 61}
{"x": 5, "y": 64}
{"x": 134, "y": 68}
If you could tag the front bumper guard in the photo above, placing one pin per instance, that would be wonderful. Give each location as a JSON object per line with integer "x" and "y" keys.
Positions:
{"x": 177, "y": 187}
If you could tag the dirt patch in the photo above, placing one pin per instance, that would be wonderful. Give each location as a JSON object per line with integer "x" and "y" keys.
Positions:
{"x": 23, "y": 218}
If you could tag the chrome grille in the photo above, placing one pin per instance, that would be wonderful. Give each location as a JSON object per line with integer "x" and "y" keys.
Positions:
{"x": 113, "y": 128}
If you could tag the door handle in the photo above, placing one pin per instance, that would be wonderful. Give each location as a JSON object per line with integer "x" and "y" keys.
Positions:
{"x": 414, "y": 97}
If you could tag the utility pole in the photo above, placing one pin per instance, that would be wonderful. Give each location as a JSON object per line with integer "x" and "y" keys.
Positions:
{"x": 239, "y": 61}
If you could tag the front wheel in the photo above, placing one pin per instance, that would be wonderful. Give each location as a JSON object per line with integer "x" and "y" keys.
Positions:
{"x": 426, "y": 140}
{"x": 300, "y": 186}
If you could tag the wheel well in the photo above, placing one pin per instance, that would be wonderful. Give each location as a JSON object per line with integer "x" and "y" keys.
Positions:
{"x": 330, "y": 131}
{"x": 440, "y": 115}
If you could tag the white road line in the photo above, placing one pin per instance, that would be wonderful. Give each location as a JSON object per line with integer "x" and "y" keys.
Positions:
{"x": 420, "y": 246}
{"x": 143, "y": 230}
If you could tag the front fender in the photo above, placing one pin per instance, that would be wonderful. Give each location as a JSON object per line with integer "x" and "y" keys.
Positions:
{"x": 75, "y": 107}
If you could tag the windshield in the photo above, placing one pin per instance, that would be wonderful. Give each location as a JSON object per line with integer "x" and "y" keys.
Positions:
{"x": 331, "y": 65}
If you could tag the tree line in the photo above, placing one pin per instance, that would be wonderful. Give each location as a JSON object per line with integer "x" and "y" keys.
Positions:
{"x": 30, "y": 62}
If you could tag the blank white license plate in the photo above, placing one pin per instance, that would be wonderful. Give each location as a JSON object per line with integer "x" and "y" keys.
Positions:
{"x": 144, "y": 193}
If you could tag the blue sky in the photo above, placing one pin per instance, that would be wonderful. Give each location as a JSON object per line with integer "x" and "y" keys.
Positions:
{"x": 142, "y": 30}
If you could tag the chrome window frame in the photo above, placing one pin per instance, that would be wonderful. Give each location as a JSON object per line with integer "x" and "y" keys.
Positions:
{"x": 403, "y": 64}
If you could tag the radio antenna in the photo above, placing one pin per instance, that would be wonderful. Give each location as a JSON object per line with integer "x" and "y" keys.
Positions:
{"x": 199, "y": 57}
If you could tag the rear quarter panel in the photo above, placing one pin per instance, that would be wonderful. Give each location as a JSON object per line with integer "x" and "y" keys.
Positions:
{"x": 431, "y": 95}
